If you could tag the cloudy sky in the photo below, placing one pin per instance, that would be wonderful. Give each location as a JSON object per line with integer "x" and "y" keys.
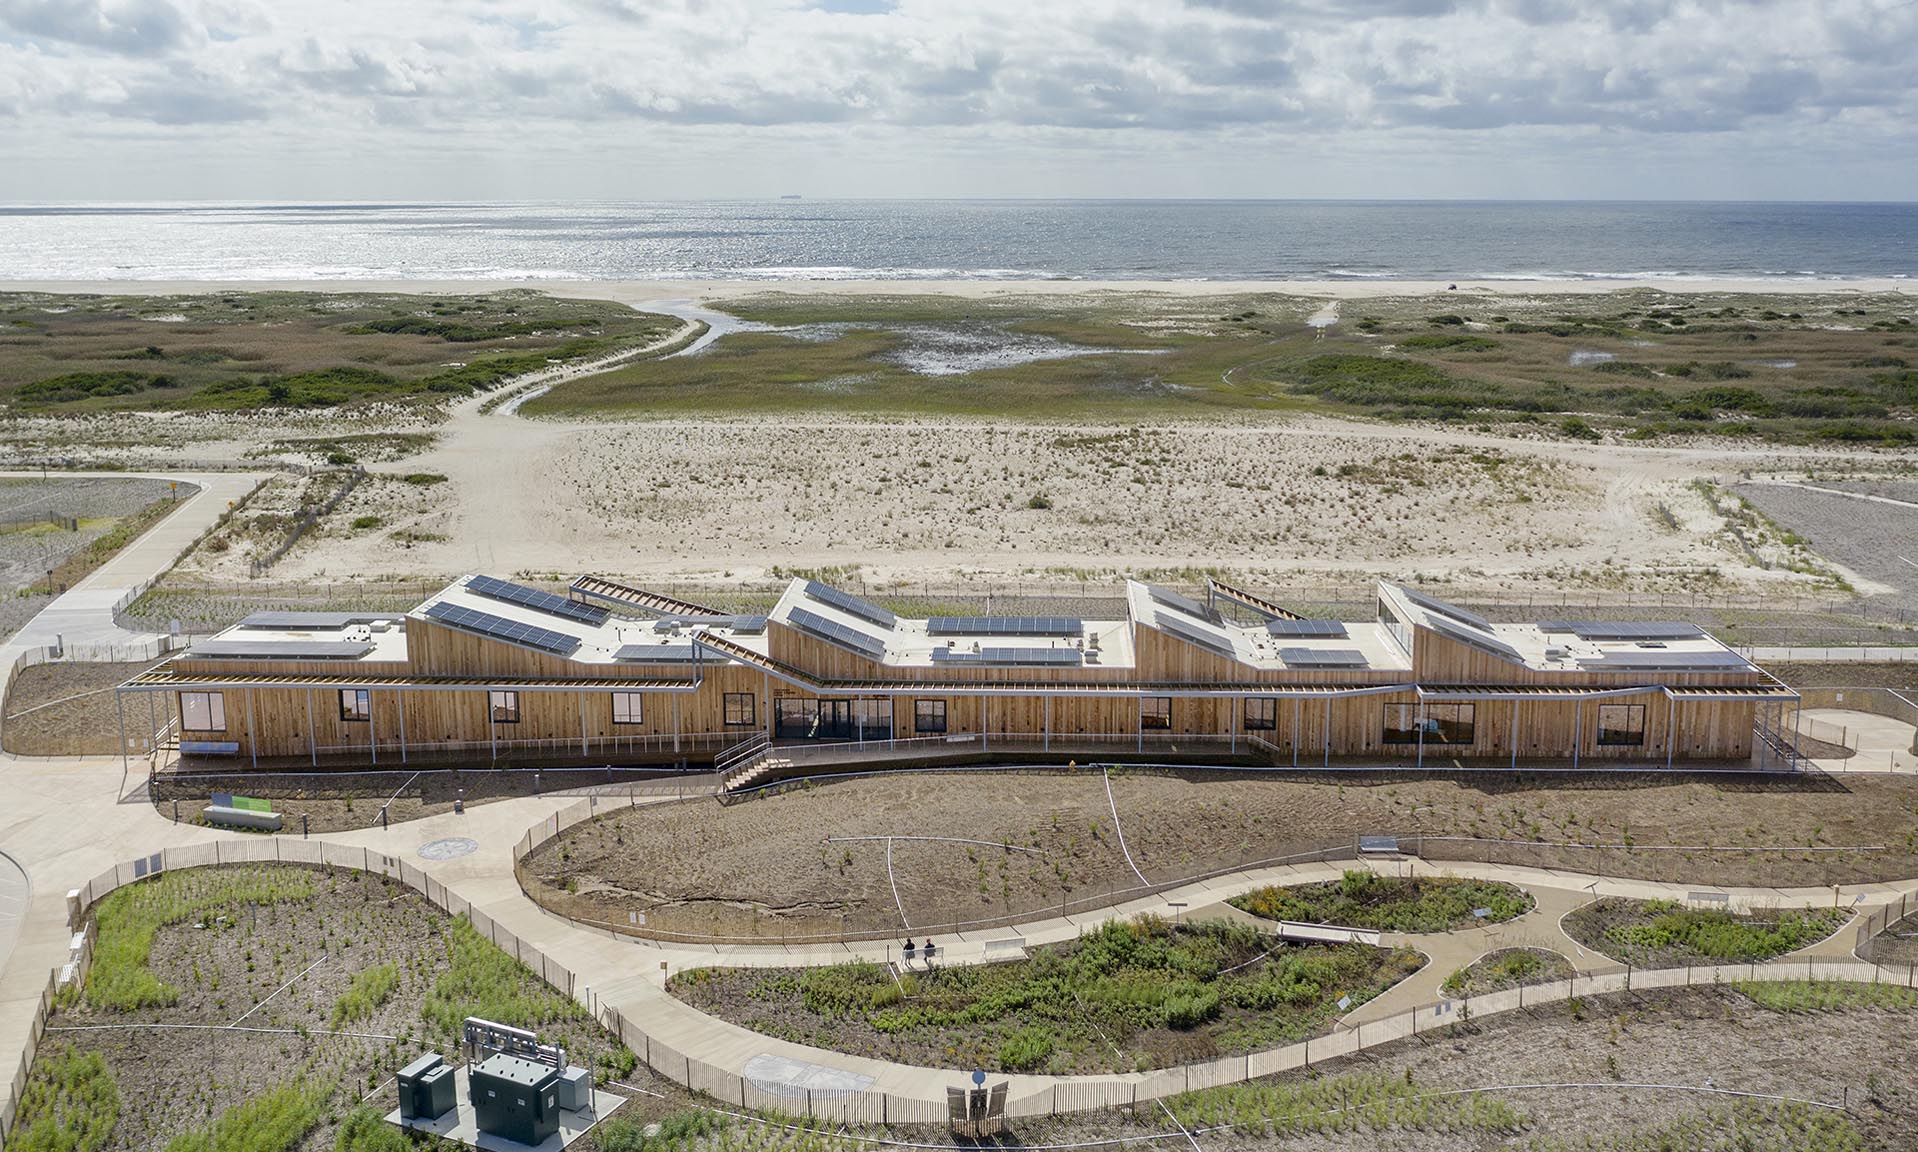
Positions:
{"x": 477, "y": 99}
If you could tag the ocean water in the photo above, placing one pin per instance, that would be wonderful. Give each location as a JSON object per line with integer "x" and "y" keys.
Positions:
{"x": 962, "y": 239}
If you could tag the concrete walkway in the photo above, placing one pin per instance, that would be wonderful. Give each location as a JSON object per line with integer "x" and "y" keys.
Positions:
{"x": 1878, "y": 743}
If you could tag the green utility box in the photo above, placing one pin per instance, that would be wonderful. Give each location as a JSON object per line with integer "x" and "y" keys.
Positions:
{"x": 515, "y": 1099}
{"x": 426, "y": 1089}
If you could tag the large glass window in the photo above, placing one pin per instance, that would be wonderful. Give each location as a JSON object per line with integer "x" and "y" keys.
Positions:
{"x": 1444, "y": 723}
{"x": 1401, "y": 632}
{"x": 505, "y": 707}
{"x": 1261, "y": 714}
{"x": 356, "y": 704}
{"x": 627, "y": 708}
{"x": 203, "y": 711}
{"x": 740, "y": 710}
{"x": 1622, "y": 724}
{"x": 929, "y": 716}
{"x": 1155, "y": 712}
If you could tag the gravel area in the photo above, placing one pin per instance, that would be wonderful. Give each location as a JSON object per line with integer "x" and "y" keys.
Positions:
{"x": 1877, "y": 541}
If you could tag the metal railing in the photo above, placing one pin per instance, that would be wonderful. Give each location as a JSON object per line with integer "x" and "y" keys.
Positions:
{"x": 554, "y": 747}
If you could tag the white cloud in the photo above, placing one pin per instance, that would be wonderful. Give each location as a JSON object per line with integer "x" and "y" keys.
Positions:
{"x": 91, "y": 88}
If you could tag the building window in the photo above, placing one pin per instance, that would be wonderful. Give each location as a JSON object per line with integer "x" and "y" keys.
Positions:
{"x": 740, "y": 710}
{"x": 356, "y": 704}
{"x": 1155, "y": 712}
{"x": 203, "y": 711}
{"x": 1621, "y": 724}
{"x": 504, "y": 706}
{"x": 1444, "y": 723}
{"x": 627, "y": 708}
{"x": 1261, "y": 714}
{"x": 929, "y": 716}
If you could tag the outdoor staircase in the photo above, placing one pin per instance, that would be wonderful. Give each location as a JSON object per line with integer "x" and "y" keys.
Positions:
{"x": 613, "y": 592}
{"x": 743, "y": 765}
{"x": 1221, "y": 590}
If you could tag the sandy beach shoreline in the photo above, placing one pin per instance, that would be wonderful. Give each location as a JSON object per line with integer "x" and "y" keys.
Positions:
{"x": 630, "y": 291}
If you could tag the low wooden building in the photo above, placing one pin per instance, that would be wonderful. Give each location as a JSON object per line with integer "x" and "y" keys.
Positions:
{"x": 489, "y": 672}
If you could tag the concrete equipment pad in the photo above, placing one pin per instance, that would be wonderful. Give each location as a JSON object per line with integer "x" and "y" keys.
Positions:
{"x": 462, "y": 1123}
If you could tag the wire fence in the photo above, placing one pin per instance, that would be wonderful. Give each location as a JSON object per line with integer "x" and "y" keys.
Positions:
{"x": 1033, "y": 1096}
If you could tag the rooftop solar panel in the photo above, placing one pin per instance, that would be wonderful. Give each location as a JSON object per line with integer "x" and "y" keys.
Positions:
{"x": 847, "y": 602}
{"x": 656, "y": 653}
{"x": 1179, "y": 602}
{"x": 1434, "y": 604}
{"x": 507, "y": 592}
{"x": 1051, "y": 657}
{"x": 312, "y": 621}
{"x": 1639, "y": 659}
{"x": 1305, "y": 628}
{"x": 1199, "y": 634}
{"x": 1005, "y": 626}
{"x": 1323, "y": 658}
{"x": 1625, "y": 630}
{"x": 745, "y": 625}
{"x": 279, "y": 650}
{"x": 1472, "y": 637}
{"x": 500, "y": 628}
{"x": 836, "y": 633}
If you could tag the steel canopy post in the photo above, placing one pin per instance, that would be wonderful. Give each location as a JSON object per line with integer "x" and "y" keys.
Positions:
{"x": 252, "y": 733}
{"x": 312, "y": 741}
{"x": 402, "y": 699}
{"x": 1578, "y": 729}
{"x": 1671, "y": 727}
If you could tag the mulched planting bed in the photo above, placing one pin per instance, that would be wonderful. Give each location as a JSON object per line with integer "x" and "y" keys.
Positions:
{"x": 340, "y": 801}
{"x": 1364, "y": 899}
{"x": 1665, "y": 934}
{"x": 367, "y": 975}
{"x": 763, "y": 869}
{"x": 71, "y": 710}
{"x": 1897, "y": 944}
{"x": 1508, "y": 968}
{"x": 1140, "y": 994}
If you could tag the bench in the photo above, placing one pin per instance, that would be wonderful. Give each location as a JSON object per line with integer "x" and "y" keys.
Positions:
{"x": 209, "y": 747}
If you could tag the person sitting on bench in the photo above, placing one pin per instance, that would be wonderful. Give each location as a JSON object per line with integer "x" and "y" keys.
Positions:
{"x": 910, "y": 949}
{"x": 931, "y": 950}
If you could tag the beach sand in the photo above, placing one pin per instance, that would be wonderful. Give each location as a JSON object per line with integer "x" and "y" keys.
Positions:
{"x": 1273, "y": 499}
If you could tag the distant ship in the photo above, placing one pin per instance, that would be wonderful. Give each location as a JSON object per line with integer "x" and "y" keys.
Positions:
{"x": 792, "y": 196}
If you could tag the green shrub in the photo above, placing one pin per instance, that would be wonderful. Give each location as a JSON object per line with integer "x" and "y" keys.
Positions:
{"x": 1794, "y": 996}
{"x": 362, "y": 523}
{"x": 88, "y": 385}
{"x": 1578, "y": 429}
{"x": 1449, "y": 342}
{"x": 1363, "y": 899}
{"x": 1724, "y": 936}
{"x": 1026, "y": 1050}
{"x": 424, "y": 479}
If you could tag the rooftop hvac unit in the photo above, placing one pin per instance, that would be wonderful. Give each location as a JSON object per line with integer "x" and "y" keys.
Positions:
{"x": 380, "y": 626}
{"x": 1555, "y": 653}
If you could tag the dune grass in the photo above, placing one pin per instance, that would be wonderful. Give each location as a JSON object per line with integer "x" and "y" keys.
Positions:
{"x": 370, "y": 989}
{"x": 70, "y": 1104}
{"x": 120, "y": 979}
{"x": 1354, "y": 1103}
{"x": 273, "y": 1122}
{"x": 1799, "y": 996}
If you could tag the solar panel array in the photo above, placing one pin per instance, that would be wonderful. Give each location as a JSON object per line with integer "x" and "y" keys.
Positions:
{"x": 508, "y": 592}
{"x": 1433, "y": 604}
{"x": 1669, "y": 659}
{"x": 834, "y": 632}
{"x": 1472, "y": 637}
{"x": 1050, "y": 657}
{"x": 1199, "y": 634}
{"x": 500, "y": 628}
{"x": 1632, "y": 630}
{"x": 279, "y": 650}
{"x": 656, "y": 653}
{"x": 1179, "y": 602}
{"x": 1305, "y": 628}
{"x": 1005, "y": 626}
{"x": 847, "y": 602}
{"x": 744, "y": 625}
{"x": 311, "y": 621}
{"x": 1323, "y": 658}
